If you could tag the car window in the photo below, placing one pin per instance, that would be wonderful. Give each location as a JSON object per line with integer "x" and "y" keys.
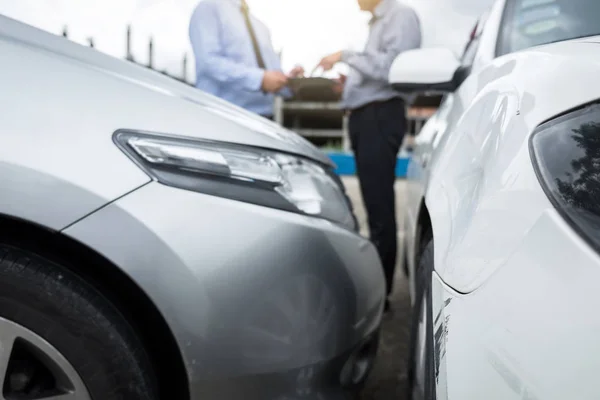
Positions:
{"x": 473, "y": 44}
{"x": 470, "y": 51}
{"x": 529, "y": 23}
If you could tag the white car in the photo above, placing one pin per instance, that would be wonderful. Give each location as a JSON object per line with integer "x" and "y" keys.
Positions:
{"x": 503, "y": 208}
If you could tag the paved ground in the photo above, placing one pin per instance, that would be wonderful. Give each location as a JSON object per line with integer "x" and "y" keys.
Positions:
{"x": 388, "y": 379}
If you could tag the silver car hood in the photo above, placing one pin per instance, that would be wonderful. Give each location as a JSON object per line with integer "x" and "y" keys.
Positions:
{"x": 247, "y": 128}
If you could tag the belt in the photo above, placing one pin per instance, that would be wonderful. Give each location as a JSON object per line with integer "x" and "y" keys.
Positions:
{"x": 374, "y": 103}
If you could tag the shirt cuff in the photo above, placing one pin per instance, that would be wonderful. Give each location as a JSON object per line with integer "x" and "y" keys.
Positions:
{"x": 286, "y": 92}
{"x": 254, "y": 79}
{"x": 347, "y": 55}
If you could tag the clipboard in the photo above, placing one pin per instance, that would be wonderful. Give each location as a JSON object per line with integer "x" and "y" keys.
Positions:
{"x": 314, "y": 89}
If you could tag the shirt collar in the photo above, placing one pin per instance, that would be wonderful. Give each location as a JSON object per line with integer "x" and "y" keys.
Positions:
{"x": 382, "y": 8}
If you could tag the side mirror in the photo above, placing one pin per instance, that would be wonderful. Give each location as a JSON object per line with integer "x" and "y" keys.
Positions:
{"x": 426, "y": 70}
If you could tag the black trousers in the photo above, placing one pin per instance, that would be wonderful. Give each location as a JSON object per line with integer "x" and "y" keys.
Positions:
{"x": 376, "y": 133}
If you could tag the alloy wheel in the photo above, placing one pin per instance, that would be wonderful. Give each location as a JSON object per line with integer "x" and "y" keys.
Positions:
{"x": 32, "y": 369}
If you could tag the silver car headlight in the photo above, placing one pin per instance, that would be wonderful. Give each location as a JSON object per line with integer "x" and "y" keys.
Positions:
{"x": 242, "y": 173}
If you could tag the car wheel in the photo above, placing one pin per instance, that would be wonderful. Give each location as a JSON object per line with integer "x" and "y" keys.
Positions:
{"x": 60, "y": 339}
{"x": 421, "y": 373}
{"x": 404, "y": 262}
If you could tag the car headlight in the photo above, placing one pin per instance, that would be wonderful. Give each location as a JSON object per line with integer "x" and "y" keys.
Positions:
{"x": 239, "y": 172}
{"x": 566, "y": 154}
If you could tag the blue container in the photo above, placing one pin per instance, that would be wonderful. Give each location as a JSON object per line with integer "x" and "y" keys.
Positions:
{"x": 347, "y": 166}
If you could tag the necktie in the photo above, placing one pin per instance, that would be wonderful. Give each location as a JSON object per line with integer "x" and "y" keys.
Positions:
{"x": 257, "y": 53}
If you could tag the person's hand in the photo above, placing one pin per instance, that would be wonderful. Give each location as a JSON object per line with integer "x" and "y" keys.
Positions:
{"x": 273, "y": 81}
{"x": 338, "y": 88}
{"x": 327, "y": 63}
{"x": 297, "y": 72}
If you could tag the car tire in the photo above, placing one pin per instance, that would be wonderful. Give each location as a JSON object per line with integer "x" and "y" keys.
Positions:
{"x": 404, "y": 262}
{"x": 422, "y": 307}
{"x": 60, "y": 336}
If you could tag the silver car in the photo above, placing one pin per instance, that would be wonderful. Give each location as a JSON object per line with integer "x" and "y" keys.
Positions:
{"x": 158, "y": 243}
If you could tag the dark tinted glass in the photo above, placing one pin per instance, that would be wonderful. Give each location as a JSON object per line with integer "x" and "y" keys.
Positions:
{"x": 530, "y": 23}
{"x": 470, "y": 51}
{"x": 567, "y": 153}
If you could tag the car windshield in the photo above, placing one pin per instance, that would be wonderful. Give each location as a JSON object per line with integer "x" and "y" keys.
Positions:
{"x": 536, "y": 22}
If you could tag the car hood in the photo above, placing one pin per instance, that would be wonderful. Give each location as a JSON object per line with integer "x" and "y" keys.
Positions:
{"x": 585, "y": 39}
{"x": 246, "y": 127}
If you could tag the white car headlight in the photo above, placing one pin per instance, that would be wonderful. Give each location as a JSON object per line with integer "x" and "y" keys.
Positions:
{"x": 239, "y": 172}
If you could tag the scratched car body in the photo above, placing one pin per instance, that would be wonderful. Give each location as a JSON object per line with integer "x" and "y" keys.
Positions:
{"x": 159, "y": 243}
{"x": 502, "y": 216}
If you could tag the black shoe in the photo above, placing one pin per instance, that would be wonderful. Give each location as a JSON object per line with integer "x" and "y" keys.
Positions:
{"x": 387, "y": 307}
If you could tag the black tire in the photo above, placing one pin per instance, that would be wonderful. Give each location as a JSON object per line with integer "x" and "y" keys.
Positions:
{"x": 423, "y": 275}
{"x": 404, "y": 262}
{"x": 369, "y": 352}
{"x": 82, "y": 325}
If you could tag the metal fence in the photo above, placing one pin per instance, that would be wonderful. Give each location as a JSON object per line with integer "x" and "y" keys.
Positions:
{"x": 150, "y": 48}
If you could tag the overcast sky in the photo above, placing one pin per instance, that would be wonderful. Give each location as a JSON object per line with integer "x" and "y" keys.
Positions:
{"x": 305, "y": 30}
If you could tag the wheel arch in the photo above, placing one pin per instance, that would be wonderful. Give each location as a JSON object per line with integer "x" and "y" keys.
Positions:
{"x": 424, "y": 231}
{"x": 144, "y": 317}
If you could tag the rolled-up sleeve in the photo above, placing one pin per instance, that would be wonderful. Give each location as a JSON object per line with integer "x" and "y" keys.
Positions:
{"x": 401, "y": 33}
{"x": 285, "y": 92}
{"x": 205, "y": 35}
